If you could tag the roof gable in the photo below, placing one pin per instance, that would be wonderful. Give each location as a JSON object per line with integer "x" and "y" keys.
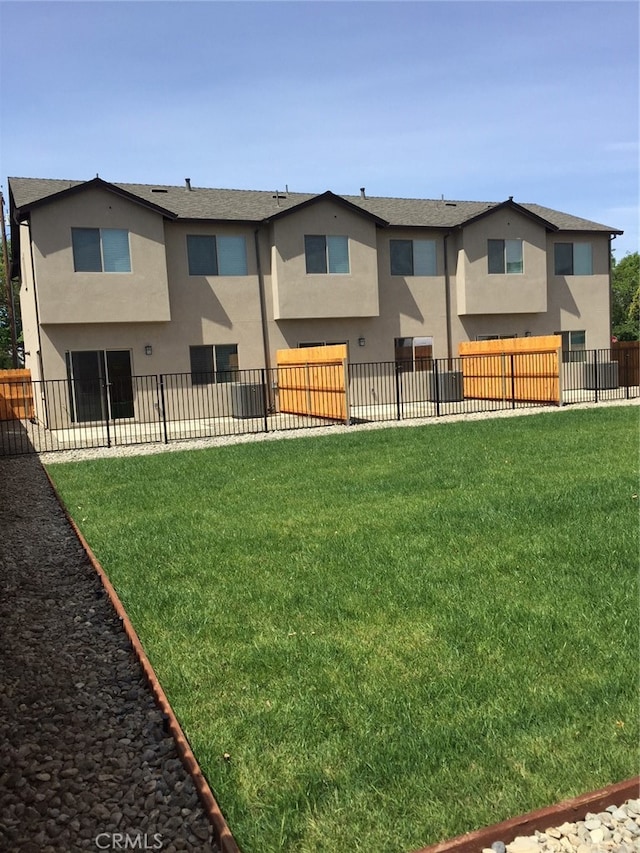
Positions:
{"x": 511, "y": 205}
{"x": 74, "y": 188}
{"x": 328, "y": 196}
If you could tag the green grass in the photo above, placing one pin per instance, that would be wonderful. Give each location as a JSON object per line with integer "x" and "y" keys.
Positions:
{"x": 397, "y": 635}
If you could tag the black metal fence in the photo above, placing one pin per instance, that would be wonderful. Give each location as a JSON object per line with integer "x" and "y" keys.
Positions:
{"x": 74, "y": 415}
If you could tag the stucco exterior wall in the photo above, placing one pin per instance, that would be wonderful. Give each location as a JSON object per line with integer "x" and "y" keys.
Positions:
{"x": 159, "y": 304}
{"x": 574, "y": 303}
{"x": 480, "y": 292}
{"x": 28, "y": 310}
{"x": 66, "y": 296}
{"x": 582, "y": 302}
{"x": 301, "y": 295}
{"x": 213, "y": 309}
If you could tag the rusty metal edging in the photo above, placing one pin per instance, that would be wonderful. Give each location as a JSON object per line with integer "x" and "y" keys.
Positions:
{"x": 567, "y": 810}
{"x": 223, "y": 835}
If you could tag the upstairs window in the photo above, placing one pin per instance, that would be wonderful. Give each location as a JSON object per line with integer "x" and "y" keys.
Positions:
{"x": 100, "y": 250}
{"x": 505, "y": 257}
{"x": 326, "y": 254}
{"x": 216, "y": 255}
{"x": 412, "y": 257}
{"x": 572, "y": 259}
{"x": 210, "y": 364}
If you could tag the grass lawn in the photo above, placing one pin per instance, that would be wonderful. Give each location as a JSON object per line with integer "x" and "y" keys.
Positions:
{"x": 397, "y": 635}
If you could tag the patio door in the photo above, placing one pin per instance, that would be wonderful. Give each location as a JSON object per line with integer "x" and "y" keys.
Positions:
{"x": 88, "y": 371}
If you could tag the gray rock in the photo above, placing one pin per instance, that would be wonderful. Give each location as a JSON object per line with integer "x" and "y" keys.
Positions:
{"x": 84, "y": 730}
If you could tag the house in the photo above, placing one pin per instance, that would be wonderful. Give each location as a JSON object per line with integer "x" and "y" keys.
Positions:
{"x": 128, "y": 279}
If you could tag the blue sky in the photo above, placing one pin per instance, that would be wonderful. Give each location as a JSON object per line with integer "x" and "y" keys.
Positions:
{"x": 471, "y": 100}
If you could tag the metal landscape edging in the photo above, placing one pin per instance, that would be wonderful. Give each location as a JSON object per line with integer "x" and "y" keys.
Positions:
{"x": 541, "y": 819}
{"x": 223, "y": 836}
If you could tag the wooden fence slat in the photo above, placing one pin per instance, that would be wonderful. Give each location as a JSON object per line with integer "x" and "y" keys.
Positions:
{"x": 523, "y": 369}
{"x": 627, "y": 354}
{"x": 16, "y": 395}
{"x": 312, "y": 381}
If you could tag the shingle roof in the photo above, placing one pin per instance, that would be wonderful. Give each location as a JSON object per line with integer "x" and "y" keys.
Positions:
{"x": 257, "y": 205}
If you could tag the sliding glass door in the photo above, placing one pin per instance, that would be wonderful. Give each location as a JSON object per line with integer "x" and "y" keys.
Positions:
{"x": 89, "y": 372}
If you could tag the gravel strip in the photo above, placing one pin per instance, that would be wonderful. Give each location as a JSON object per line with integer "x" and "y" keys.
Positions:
{"x": 85, "y": 762}
{"x": 615, "y": 830}
{"x": 333, "y": 429}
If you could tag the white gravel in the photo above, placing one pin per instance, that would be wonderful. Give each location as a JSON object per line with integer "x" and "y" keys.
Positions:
{"x": 334, "y": 429}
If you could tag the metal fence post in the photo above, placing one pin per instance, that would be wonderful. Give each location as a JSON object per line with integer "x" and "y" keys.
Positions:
{"x": 163, "y": 410}
{"x": 347, "y": 395}
{"x": 105, "y": 395}
{"x": 627, "y": 375}
{"x": 595, "y": 373}
{"x": 397, "y": 374}
{"x": 265, "y": 398}
{"x": 436, "y": 384}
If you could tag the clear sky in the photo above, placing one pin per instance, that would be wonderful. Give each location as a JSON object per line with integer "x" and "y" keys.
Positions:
{"x": 471, "y": 100}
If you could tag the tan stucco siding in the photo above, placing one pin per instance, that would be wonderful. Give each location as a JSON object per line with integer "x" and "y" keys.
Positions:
{"x": 66, "y": 296}
{"x": 412, "y": 306}
{"x": 582, "y": 302}
{"x": 574, "y": 303}
{"x": 298, "y": 294}
{"x": 480, "y": 292}
{"x": 160, "y": 304}
{"x": 28, "y": 307}
{"x": 215, "y": 309}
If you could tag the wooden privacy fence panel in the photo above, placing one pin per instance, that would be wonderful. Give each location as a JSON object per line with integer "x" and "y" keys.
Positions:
{"x": 16, "y": 395}
{"x": 312, "y": 381}
{"x": 524, "y": 369}
{"x": 627, "y": 354}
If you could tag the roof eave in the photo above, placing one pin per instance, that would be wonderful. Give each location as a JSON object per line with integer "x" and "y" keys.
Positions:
{"x": 514, "y": 206}
{"x": 328, "y": 195}
{"x": 22, "y": 212}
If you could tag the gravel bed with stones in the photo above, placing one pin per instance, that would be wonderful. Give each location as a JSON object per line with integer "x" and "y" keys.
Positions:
{"x": 615, "y": 830}
{"x": 85, "y": 763}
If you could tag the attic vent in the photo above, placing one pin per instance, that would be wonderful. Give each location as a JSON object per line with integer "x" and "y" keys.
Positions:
{"x": 450, "y": 204}
{"x": 155, "y": 190}
{"x": 278, "y": 195}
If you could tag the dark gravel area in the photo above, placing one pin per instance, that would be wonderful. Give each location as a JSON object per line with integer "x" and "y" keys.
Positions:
{"x": 85, "y": 762}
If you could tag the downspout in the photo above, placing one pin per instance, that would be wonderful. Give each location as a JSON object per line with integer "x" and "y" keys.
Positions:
{"x": 612, "y": 237}
{"x": 35, "y": 302}
{"x": 447, "y": 295}
{"x": 264, "y": 321}
{"x": 39, "y": 353}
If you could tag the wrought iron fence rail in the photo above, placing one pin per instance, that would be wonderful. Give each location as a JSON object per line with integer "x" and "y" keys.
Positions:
{"x": 65, "y": 415}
